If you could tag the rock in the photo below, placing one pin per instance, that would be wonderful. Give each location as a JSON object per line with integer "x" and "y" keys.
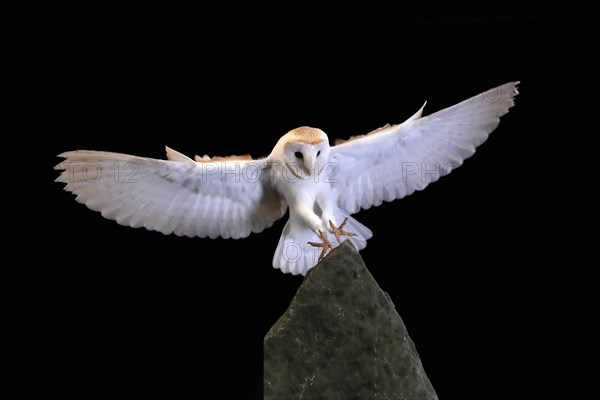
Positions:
{"x": 341, "y": 338}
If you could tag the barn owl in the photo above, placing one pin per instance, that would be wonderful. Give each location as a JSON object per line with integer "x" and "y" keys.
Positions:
{"x": 321, "y": 185}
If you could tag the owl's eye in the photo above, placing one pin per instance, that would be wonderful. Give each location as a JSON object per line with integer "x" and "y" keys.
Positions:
{"x": 298, "y": 155}
{"x": 318, "y": 153}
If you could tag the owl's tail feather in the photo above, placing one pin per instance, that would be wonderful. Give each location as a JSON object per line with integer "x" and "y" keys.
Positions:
{"x": 295, "y": 256}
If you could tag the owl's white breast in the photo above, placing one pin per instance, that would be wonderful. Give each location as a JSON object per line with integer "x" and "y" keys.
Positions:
{"x": 295, "y": 189}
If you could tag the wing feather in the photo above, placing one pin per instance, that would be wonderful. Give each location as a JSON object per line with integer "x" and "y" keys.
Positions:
{"x": 177, "y": 195}
{"x": 394, "y": 161}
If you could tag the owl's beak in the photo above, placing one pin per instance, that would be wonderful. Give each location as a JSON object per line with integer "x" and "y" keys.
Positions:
{"x": 308, "y": 165}
{"x": 302, "y": 169}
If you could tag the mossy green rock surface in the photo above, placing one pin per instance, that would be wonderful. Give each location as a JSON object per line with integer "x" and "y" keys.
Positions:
{"x": 341, "y": 338}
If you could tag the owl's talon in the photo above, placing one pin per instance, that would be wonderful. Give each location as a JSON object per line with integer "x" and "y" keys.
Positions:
{"x": 325, "y": 245}
{"x": 339, "y": 231}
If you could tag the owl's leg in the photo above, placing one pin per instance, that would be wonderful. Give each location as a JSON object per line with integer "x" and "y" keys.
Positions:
{"x": 339, "y": 231}
{"x": 328, "y": 206}
{"x": 324, "y": 198}
{"x": 325, "y": 245}
{"x": 314, "y": 222}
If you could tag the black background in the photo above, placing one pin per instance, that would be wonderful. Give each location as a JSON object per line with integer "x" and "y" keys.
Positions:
{"x": 131, "y": 313}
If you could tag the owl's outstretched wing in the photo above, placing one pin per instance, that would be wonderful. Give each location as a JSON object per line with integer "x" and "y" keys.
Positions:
{"x": 394, "y": 161}
{"x": 229, "y": 199}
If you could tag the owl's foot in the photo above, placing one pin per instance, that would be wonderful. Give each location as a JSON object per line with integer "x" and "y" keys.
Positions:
{"x": 339, "y": 231}
{"x": 325, "y": 245}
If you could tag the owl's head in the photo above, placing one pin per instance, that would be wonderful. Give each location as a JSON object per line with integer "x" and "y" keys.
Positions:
{"x": 304, "y": 151}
